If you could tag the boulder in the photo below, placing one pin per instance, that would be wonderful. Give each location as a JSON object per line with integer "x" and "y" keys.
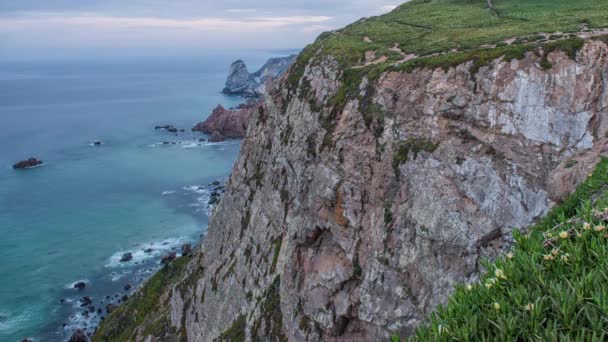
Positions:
{"x": 186, "y": 249}
{"x": 110, "y": 307}
{"x": 28, "y": 163}
{"x": 168, "y": 257}
{"x": 127, "y": 287}
{"x": 126, "y": 257}
{"x": 78, "y": 336}
{"x": 80, "y": 285}
{"x": 85, "y": 301}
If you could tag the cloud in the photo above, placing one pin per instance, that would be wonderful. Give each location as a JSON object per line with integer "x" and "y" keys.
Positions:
{"x": 34, "y": 21}
{"x": 241, "y": 10}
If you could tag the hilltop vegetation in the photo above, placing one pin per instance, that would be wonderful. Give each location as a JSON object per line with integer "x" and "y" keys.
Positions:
{"x": 424, "y": 27}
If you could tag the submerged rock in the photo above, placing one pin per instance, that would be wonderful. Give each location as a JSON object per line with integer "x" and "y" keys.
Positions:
{"x": 28, "y": 163}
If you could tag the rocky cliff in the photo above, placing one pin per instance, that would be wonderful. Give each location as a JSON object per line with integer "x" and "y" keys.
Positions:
{"x": 241, "y": 82}
{"x": 228, "y": 123}
{"x": 362, "y": 195}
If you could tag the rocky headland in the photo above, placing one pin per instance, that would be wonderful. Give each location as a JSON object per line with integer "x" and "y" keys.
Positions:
{"x": 241, "y": 82}
{"x": 366, "y": 189}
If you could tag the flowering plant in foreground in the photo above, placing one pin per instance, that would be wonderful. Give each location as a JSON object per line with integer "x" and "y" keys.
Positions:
{"x": 551, "y": 286}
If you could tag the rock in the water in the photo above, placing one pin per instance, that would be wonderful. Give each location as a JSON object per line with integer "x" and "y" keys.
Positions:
{"x": 86, "y": 301}
{"x": 78, "y": 336}
{"x": 186, "y": 249}
{"x": 228, "y": 123}
{"x": 26, "y": 164}
{"x": 126, "y": 257}
{"x": 80, "y": 285}
{"x": 168, "y": 257}
{"x": 168, "y": 128}
{"x": 26, "y": 340}
{"x": 127, "y": 287}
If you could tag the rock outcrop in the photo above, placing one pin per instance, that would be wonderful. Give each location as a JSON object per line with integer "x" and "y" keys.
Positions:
{"x": 241, "y": 82}
{"x": 352, "y": 218}
{"x": 228, "y": 123}
{"x": 27, "y": 164}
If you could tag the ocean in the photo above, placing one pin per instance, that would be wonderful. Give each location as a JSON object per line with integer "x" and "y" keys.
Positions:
{"x": 143, "y": 191}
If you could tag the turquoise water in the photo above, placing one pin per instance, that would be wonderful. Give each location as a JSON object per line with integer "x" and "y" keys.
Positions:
{"x": 72, "y": 218}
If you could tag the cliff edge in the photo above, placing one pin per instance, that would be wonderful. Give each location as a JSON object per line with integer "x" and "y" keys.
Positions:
{"x": 393, "y": 156}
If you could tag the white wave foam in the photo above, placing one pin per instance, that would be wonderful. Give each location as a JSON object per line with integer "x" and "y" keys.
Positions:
{"x": 145, "y": 252}
{"x": 191, "y": 145}
{"x": 9, "y": 323}
{"x": 168, "y": 192}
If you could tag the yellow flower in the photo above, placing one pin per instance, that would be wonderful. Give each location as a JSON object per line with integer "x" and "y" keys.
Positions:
{"x": 586, "y": 226}
{"x": 565, "y": 257}
{"x": 496, "y": 306}
{"x": 529, "y": 307}
{"x": 549, "y": 235}
{"x": 509, "y": 255}
{"x": 469, "y": 287}
{"x": 489, "y": 285}
{"x": 579, "y": 235}
{"x": 555, "y": 251}
{"x": 564, "y": 235}
{"x": 500, "y": 274}
{"x": 548, "y": 257}
{"x": 600, "y": 228}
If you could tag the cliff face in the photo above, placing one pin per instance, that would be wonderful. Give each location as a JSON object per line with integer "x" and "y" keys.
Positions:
{"x": 354, "y": 221}
{"x": 228, "y": 123}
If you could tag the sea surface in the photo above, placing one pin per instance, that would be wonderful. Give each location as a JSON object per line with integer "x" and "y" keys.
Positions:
{"x": 143, "y": 189}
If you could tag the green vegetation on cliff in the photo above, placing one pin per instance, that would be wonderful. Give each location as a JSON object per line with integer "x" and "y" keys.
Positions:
{"x": 550, "y": 287}
{"x": 424, "y": 27}
{"x": 147, "y": 309}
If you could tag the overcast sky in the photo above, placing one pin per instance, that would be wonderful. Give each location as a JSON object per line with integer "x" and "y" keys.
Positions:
{"x": 178, "y": 27}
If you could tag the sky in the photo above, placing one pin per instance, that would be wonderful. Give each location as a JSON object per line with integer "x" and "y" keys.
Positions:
{"x": 54, "y": 28}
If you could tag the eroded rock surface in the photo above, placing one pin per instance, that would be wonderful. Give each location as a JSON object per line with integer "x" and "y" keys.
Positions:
{"x": 228, "y": 123}
{"x": 341, "y": 226}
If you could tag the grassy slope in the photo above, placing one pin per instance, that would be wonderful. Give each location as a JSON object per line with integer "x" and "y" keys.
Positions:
{"x": 551, "y": 287}
{"x": 429, "y": 26}
{"x": 145, "y": 309}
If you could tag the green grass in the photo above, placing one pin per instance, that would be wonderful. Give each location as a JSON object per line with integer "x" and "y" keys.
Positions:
{"x": 424, "y": 27}
{"x": 551, "y": 287}
{"x": 144, "y": 309}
